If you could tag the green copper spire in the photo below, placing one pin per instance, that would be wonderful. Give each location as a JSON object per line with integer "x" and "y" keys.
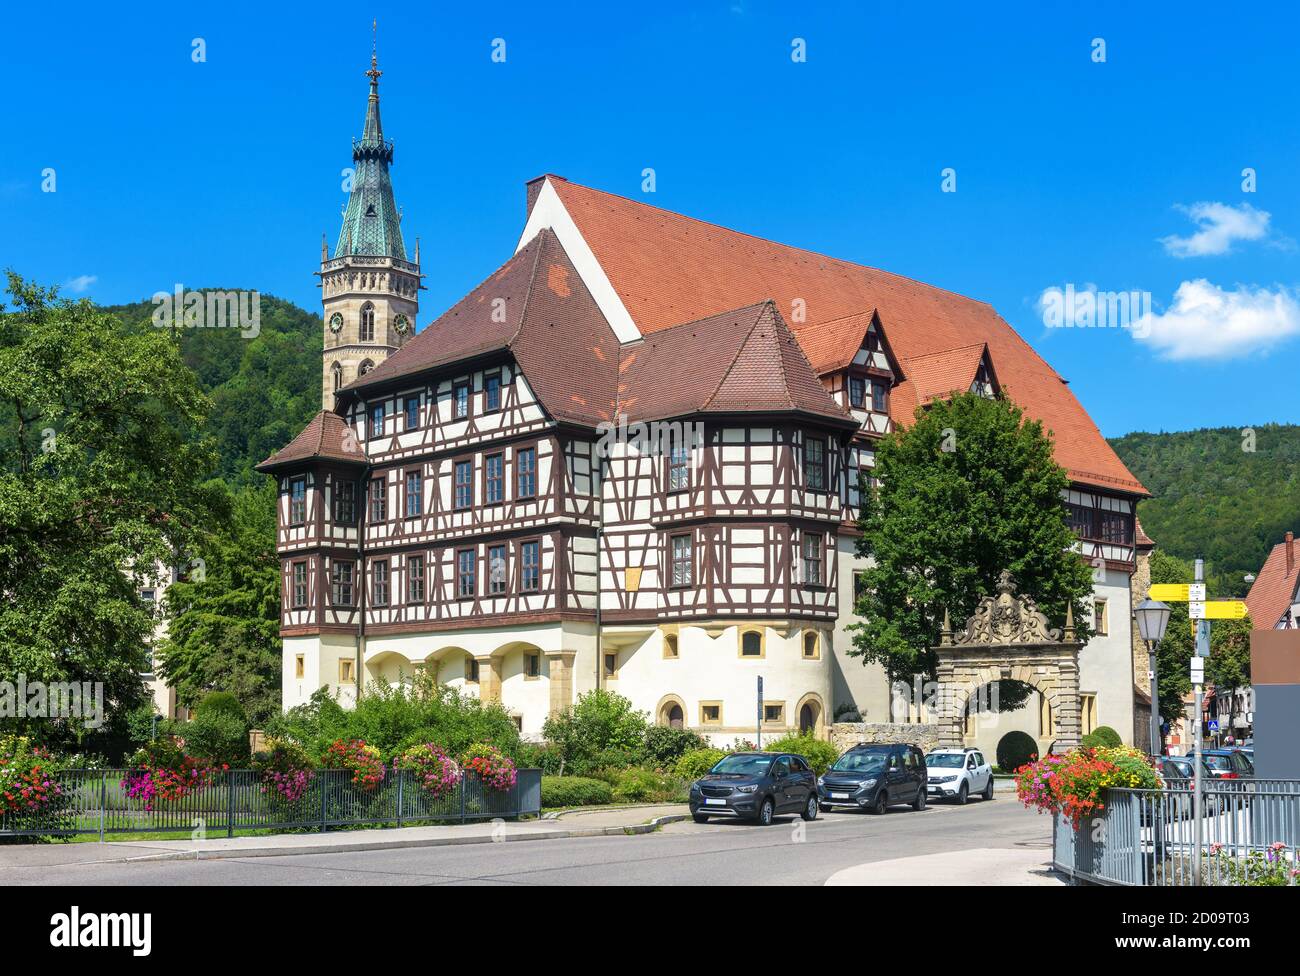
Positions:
{"x": 371, "y": 225}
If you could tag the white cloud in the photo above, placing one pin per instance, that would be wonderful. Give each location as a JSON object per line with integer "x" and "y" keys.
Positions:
{"x": 80, "y": 283}
{"x": 1218, "y": 226}
{"x": 1209, "y": 322}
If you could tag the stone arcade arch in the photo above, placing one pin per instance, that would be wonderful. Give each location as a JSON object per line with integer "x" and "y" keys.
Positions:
{"x": 1007, "y": 638}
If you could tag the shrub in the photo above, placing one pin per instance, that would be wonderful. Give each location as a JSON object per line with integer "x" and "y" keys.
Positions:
{"x": 664, "y": 745}
{"x": 533, "y": 755}
{"x": 697, "y": 762}
{"x": 392, "y": 719}
{"x": 361, "y": 760}
{"x": 600, "y": 728}
{"x": 435, "y": 772}
{"x": 1102, "y": 737}
{"x": 218, "y": 737}
{"x": 574, "y": 791}
{"x": 489, "y": 764}
{"x": 641, "y": 785}
{"x": 221, "y": 702}
{"x": 820, "y": 754}
{"x": 1015, "y": 749}
{"x": 285, "y": 770}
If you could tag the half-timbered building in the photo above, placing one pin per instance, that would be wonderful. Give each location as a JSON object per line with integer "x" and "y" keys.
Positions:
{"x": 630, "y": 459}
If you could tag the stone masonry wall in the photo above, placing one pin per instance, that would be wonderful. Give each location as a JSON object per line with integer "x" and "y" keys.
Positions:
{"x": 843, "y": 735}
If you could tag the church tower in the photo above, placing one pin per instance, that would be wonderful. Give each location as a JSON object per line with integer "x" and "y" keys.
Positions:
{"x": 369, "y": 290}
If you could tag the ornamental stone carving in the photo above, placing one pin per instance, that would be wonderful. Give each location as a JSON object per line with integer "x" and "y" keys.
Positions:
{"x": 1007, "y": 619}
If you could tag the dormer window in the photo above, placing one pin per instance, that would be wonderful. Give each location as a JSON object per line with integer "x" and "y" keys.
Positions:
{"x": 879, "y": 397}
{"x": 857, "y": 392}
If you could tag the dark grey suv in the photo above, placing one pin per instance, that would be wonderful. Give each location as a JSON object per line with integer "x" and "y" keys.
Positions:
{"x": 874, "y": 777}
{"x": 755, "y": 786}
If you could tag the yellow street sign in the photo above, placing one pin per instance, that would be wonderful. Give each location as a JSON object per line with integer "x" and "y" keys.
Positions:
{"x": 1178, "y": 592}
{"x": 1216, "y": 610}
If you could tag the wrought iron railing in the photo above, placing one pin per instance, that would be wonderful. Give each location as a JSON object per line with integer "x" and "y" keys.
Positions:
{"x": 238, "y": 800}
{"x": 1148, "y": 837}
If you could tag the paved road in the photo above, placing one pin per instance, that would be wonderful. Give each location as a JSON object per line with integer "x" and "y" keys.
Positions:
{"x": 788, "y": 852}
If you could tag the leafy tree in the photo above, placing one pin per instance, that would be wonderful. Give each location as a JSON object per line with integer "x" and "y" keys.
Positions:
{"x": 1176, "y": 650}
{"x": 102, "y": 472}
{"x": 224, "y": 627}
{"x": 970, "y": 489}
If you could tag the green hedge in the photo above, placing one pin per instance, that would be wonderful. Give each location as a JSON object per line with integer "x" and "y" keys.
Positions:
{"x": 1015, "y": 749}
{"x": 820, "y": 754}
{"x": 697, "y": 762}
{"x": 574, "y": 791}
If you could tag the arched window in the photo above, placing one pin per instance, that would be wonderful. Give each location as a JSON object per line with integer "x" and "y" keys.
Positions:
{"x": 675, "y": 717}
{"x": 336, "y": 372}
{"x": 368, "y": 322}
{"x": 365, "y": 367}
{"x": 751, "y": 644}
{"x": 810, "y": 643}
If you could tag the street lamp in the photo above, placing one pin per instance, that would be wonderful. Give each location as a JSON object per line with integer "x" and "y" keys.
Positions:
{"x": 1153, "y": 618}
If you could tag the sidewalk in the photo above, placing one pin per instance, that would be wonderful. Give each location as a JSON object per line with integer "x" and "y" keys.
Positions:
{"x": 578, "y": 823}
{"x": 1006, "y": 867}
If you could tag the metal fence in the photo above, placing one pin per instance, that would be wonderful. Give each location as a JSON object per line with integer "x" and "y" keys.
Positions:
{"x": 1148, "y": 837}
{"x": 97, "y": 802}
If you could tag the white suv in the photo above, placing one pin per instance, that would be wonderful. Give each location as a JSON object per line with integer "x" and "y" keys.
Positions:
{"x": 954, "y": 774}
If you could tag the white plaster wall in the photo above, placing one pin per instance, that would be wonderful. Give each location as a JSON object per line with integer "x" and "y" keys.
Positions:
{"x": 863, "y": 686}
{"x": 1106, "y": 663}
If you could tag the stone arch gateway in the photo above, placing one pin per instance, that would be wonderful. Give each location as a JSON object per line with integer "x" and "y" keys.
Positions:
{"x": 1008, "y": 639}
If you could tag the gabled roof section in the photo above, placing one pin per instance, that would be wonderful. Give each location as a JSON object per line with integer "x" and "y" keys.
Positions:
{"x": 744, "y": 360}
{"x": 325, "y": 438}
{"x": 938, "y": 375}
{"x": 662, "y": 268}
{"x": 1274, "y": 589}
{"x": 536, "y": 308}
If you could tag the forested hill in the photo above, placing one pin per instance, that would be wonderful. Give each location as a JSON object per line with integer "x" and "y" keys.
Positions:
{"x": 1217, "y": 498}
{"x": 264, "y": 389}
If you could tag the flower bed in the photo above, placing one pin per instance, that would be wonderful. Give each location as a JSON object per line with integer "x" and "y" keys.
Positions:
{"x": 1074, "y": 784}
{"x": 25, "y": 784}
{"x": 436, "y": 772}
{"x": 490, "y": 765}
{"x": 163, "y": 773}
{"x": 362, "y": 761}
{"x": 285, "y": 771}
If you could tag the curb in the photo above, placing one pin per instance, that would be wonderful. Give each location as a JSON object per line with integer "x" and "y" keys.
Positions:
{"x": 389, "y": 845}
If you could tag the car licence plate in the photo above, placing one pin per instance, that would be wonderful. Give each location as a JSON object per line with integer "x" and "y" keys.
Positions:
{"x": 839, "y": 796}
{"x": 714, "y": 802}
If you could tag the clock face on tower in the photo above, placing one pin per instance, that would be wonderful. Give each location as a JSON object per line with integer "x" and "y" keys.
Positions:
{"x": 336, "y": 322}
{"x": 402, "y": 324}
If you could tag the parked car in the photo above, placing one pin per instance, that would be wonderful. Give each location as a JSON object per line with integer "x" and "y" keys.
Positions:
{"x": 755, "y": 786}
{"x": 1228, "y": 764}
{"x": 874, "y": 777}
{"x": 1177, "y": 770}
{"x": 954, "y": 774}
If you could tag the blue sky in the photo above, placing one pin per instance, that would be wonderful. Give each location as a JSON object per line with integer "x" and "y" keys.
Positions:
{"x": 1068, "y": 171}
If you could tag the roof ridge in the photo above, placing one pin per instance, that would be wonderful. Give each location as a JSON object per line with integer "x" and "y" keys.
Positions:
{"x": 768, "y": 240}
{"x": 532, "y": 282}
{"x": 739, "y": 349}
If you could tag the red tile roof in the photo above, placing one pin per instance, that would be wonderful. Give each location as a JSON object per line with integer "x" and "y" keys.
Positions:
{"x": 1274, "y": 588}
{"x": 551, "y": 325}
{"x": 326, "y": 437}
{"x": 937, "y": 375}
{"x": 667, "y": 268}
{"x": 746, "y": 359}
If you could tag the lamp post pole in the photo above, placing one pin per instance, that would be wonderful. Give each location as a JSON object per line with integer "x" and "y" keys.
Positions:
{"x": 1157, "y": 741}
{"x": 1202, "y": 651}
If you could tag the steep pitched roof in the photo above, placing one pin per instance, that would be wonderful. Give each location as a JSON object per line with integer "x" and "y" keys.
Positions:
{"x": 326, "y": 437}
{"x": 937, "y": 375}
{"x": 1274, "y": 588}
{"x": 371, "y": 221}
{"x": 746, "y": 359}
{"x": 537, "y": 308}
{"x": 666, "y": 268}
